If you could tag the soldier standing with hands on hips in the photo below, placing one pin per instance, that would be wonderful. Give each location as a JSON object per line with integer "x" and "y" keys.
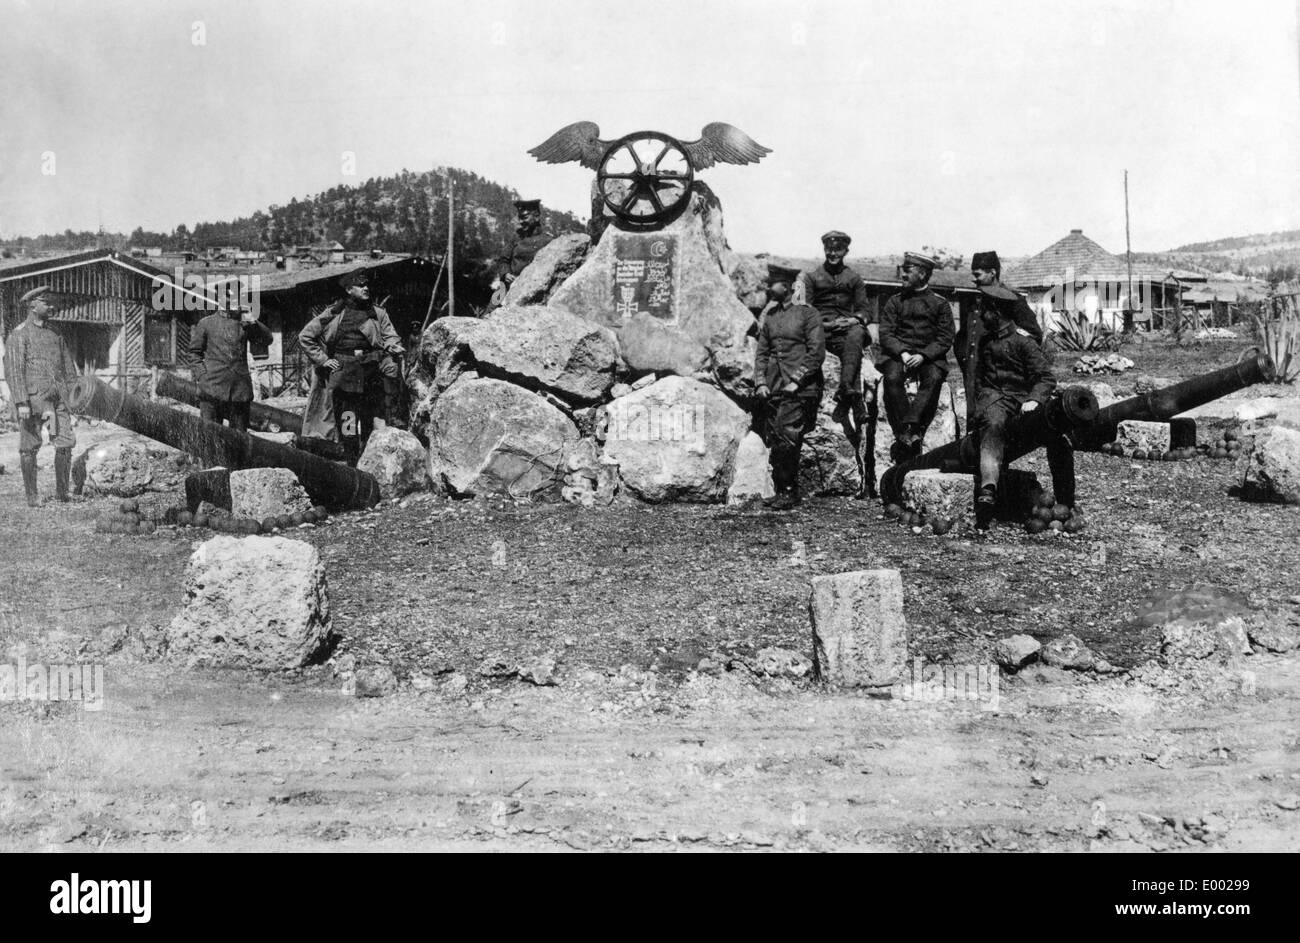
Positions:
{"x": 39, "y": 369}
{"x": 788, "y": 370}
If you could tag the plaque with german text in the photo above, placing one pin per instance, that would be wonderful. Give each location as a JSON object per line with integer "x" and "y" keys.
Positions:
{"x": 645, "y": 276}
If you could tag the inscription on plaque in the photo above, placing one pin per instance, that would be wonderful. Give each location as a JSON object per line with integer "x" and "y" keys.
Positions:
{"x": 645, "y": 276}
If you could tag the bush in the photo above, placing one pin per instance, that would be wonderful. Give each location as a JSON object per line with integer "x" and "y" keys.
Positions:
{"x": 1280, "y": 339}
{"x": 1083, "y": 335}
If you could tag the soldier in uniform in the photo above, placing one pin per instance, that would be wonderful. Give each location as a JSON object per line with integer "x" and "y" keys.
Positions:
{"x": 529, "y": 239}
{"x": 40, "y": 369}
{"x": 840, "y": 297}
{"x": 916, "y": 332}
{"x": 1012, "y": 378}
{"x": 788, "y": 370}
{"x": 219, "y": 345}
{"x": 986, "y": 271}
{"x": 355, "y": 349}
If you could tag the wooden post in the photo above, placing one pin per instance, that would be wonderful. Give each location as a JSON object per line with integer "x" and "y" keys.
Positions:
{"x": 1128, "y": 257}
{"x": 451, "y": 247}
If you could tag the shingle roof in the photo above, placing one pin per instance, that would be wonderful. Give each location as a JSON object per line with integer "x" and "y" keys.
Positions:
{"x": 1077, "y": 258}
{"x": 279, "y": 280}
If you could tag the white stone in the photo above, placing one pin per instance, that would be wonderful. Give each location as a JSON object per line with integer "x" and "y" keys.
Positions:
{"x": 1148, "y": 436}
{"x": 675, "y": 440}
{"x": 260, "y": 493}
{"x": 126, "y": 469}
{"x": 1273, "y": 468}
{"x": 492, "y": 437}
{"x": 552, "y": 264}
{"x": 752, "y": 478}
{"x": 397, "y": 460}
{"x": 547, "y": 347}
{"x": 939, "y": 495}
{"x": 1015, "y": 651}
{"x": 252, "y": 602}
{"x": 859, "y": 632}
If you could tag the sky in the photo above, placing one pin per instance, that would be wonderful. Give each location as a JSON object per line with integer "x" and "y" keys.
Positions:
{"x": 958, "y": 125}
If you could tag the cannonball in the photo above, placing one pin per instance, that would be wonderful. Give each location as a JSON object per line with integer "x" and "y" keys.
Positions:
{"x": 321, "y": 512}
{"x": 1043, "y": 514}
{"x": 297, "y": 518}
{"x": 1074, "y": 525}
{"x": 1139, "y": 454}
{"x": 284, "y": 521}
{"x": 251, "y": 526}
{"x": 201, "y": 520}
{"x": 1061, "y": 512}
{"x": 1035, "y": 525}
{"x": 1056, "y": 526}
{"x": 891, "y": 511}
{"x": 941, "y": 525}
{"x": 1220, "y": 453}
{"x": 268, "y": 525}
{"x": 1231, "y": 436}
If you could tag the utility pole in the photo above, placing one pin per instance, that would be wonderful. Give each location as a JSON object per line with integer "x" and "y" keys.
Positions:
{"x": 1128, "y": 258}
{"x": 451, "y": 248}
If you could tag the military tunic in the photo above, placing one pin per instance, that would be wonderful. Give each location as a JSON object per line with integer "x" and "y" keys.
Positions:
{"x": 967, "y": 344}
{"x": 791, "y": 348}
{"x": 39, "y": 370}
{"x": 917, "y": 322}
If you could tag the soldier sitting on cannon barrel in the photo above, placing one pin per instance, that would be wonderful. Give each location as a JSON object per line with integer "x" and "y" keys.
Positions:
{"x": 1012, "y": 377}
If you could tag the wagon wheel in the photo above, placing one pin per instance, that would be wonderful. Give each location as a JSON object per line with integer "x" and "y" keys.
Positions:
{"x": 645, "y": 177}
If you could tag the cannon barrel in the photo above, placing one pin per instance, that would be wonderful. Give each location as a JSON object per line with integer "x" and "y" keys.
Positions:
{"x": 332, "y": 484}
{"x": 1066, "y": 410}
{"x": 1163, "y": 405}
{"x": 1073, "y": 411}
{"x": 187, "y": 391}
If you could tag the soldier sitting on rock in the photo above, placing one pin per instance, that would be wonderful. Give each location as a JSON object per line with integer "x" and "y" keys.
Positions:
{"x": 788, "y": 370}
{"x": 1012, "y": 378}
{"x": 916, "y": 332}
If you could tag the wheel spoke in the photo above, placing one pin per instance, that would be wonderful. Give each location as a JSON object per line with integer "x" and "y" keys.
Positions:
{"x": 620, "y": 176}
{"x": 654, "y": 164}
{"x": 654, "y": 198}
{"x": 631, "y": 199}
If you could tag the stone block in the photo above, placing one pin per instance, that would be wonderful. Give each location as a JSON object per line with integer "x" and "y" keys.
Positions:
{"x": 859, "y": 632}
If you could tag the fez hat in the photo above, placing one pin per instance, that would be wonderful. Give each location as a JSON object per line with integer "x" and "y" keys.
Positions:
{"x": 988, "y": 261}
{"x": 836, "y": 236}
{"x": 998, "y": 292}
{"x": 916, "y": 258}
{"x": 521, "y": 205}
{"x": 36, "y": 293}
{"x": 355, "y": 277}
{"x": 782, "y": 273}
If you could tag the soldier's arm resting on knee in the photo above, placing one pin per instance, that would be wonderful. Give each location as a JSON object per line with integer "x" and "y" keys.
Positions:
{"x": 1038, "y": 369}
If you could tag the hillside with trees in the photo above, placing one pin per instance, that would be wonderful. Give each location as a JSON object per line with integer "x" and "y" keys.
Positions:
{"x": 406, "y": 212}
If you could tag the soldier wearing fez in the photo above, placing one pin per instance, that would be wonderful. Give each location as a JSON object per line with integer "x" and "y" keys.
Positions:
{"x": 916, "y": 332}
{"x": 39, "y": 369}
{"x": 529, "y": 239}
{"x": 986, "y": 271}
{"x": 219, "y": 345}
{"x": 355, "y": 349}
{"x": 788, "y": 370}
{"x": 1012, "y": 377}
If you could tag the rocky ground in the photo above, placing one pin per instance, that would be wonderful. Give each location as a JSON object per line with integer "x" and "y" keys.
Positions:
{"x": 662, "y": 729}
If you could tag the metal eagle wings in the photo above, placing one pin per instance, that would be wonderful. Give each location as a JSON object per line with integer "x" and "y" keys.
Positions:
{"x": 719, "y": 142}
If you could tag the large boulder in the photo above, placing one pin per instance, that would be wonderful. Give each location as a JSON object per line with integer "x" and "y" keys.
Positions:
{"x": 675, "y": 440}
{"x": 443, "y": 356}
{"x": 129, "y": 468}
{"x": 1273, "y": 468}
{"x": 753, "y": 475}
{"x": 549, "y": 348}
{"x": 491, "y": 437}
{"x": 260, "y": 493}
{"x": 554, "y": 263}
{"x": 252, "y": 602}
{"x": 397, "y": 461}
{"x": 704, "y": 306}
{"x": 650, "y": 346}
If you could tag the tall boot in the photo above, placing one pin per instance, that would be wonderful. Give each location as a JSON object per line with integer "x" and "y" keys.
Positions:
{"x": 62, "y": 472}
{"x": 28, "y": 462}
